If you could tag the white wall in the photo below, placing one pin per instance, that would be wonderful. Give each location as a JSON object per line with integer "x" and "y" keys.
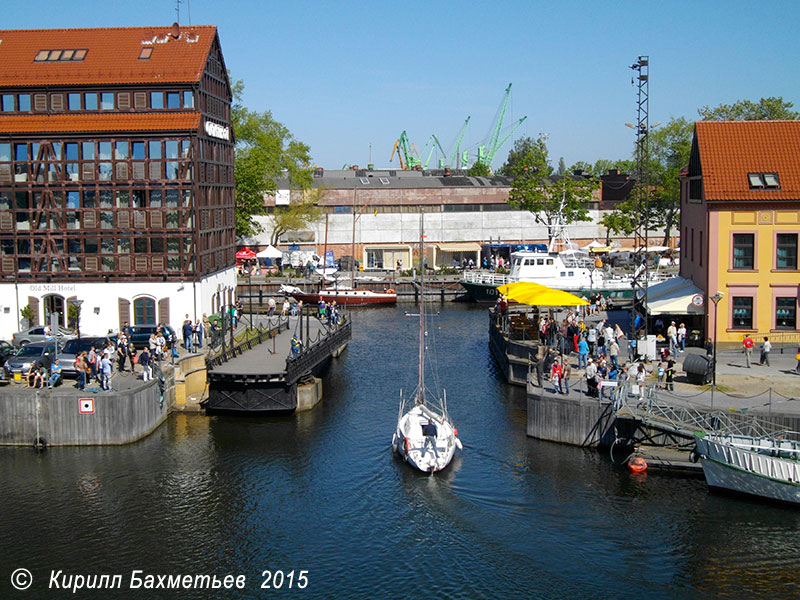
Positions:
{"x": 100, "y": 309}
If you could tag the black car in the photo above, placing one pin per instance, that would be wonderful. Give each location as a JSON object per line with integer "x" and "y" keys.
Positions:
{"x": 6, "y": 351}
{"x": 140, "y": 335}
{"x": 75, "y": 346}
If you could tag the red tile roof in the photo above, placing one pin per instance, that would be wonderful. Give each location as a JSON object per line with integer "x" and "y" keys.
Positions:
{"x": 112, "y": 57}
{"x": 94, "y": 122}
{"x": 729, "y": 150}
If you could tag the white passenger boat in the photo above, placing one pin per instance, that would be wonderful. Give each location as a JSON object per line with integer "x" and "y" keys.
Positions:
{"x": 759, "y": 466}
{"x": 425, "y": 435}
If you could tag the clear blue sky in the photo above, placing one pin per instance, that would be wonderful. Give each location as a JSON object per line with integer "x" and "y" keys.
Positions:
{"x": 342, "y": 75}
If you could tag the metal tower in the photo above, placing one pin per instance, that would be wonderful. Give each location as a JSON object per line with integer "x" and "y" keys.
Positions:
{"x": 642, "y": 192}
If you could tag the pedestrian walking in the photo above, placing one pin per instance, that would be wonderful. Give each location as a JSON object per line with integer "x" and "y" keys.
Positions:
{"x": 766, "y": 347}
{"x": 670, "y": 375}
{"x": 566, "y": 373}
{"x": 672, "y": 335}
{"x": 797, "y": 357}
{"x": 144, "y": 360}
{"x": 682, "y": 337}
{"x": 105, "y": 373}
{"x": 747, "y": 348}
{"x": 583, "y": 353}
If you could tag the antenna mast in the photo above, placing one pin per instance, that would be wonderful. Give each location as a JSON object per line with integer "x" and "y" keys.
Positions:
{"x": 639, "y": 313}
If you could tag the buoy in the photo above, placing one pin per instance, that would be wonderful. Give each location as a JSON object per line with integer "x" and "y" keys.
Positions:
{"x": 390, "y": 291}
{"x": 637, "y": 464}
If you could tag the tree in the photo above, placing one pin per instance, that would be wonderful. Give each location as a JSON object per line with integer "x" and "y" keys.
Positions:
{"x": 562, "y": 166}
{"x": 479, "y": 169}
{"x": 298, "y": 214}
{"x": 745, "y": 110}
{"x": 668, "y": 152}
{"x": 265, "y": 151}
{"x": 554, "y": 201}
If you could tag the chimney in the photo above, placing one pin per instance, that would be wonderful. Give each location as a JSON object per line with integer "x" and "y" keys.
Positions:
{"x": 176, "y": 30}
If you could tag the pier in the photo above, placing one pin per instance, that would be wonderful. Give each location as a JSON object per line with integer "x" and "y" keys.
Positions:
{"x": 262, "y": 375}
{"x": 658, "y": 425}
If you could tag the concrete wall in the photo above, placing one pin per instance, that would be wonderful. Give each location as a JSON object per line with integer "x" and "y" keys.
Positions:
{"x": 585, "y": 422}
{"x": 118, "y": 418}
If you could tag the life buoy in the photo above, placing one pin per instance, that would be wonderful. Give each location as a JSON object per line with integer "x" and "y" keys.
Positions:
{"x": 637, "y": 464}
{"x": 390, "y": 291}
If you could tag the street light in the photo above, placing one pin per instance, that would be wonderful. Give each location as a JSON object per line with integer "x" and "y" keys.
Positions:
{"x": 715, "y": 299}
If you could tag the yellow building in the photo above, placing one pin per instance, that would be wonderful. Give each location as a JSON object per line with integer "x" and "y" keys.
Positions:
{"x": 740, "y": 223}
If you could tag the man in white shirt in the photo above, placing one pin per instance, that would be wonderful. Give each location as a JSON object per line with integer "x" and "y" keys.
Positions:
{"x": 765, "y": 350}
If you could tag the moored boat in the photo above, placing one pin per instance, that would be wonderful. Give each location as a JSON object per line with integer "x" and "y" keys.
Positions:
{"x": 344, "y": 296}
{"x": 766, "y": 467}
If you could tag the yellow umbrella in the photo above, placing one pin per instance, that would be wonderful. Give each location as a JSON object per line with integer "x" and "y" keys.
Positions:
{"x": 535, "y": 294}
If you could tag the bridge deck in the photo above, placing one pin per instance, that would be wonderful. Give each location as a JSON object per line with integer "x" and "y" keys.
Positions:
{"x": 270, "y": 356}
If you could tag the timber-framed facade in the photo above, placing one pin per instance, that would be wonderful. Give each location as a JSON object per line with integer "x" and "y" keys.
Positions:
{"x": 116, "y": 171}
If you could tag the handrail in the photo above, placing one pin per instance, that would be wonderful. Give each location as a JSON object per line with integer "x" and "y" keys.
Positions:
{"x": 226, "y": 354}
{"x": 311, "y": 354}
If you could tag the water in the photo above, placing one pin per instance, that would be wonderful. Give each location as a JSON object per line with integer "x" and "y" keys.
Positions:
{"x": 512, "y": 517}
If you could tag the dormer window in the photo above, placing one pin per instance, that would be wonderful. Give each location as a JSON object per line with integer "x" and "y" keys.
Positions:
{"x": 60, "y": 55}
{"x": 764, "y": 181}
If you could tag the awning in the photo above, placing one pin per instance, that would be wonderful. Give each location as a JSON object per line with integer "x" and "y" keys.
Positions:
{"x": 674, "y": 297}
{"x": 460, "y": 247}
{"x": 269, "y": 252}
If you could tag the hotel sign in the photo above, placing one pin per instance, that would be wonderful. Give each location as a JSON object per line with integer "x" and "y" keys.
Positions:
{"x": 218, "y": 131}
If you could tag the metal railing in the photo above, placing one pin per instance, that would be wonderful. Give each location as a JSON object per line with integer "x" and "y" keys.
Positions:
{"x": 315, "y": 352}
{"x": 244, "y": 341}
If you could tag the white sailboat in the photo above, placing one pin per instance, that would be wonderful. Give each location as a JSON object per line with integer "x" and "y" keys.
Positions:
{"x": 425, "y": 435}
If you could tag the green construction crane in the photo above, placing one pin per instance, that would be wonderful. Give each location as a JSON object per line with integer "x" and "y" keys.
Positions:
{"x": 454, "y": 158}
{"x": 486, "y": 153}
{"x": 404, "y": 152}
{"x": 433, "y": 144}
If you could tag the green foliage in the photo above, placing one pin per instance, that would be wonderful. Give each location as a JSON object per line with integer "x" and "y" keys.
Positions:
{"x": 26, "y": 313}
{"x": 298, "y": 214}
{"x": 73, "y": 314}
{"x": 479, "y": 169}
{"x": 603, "y": 165}
{"x": 536, "y": 189}
{"x": 744, "y": 110}
{"x": 562, "y": 167}
{"x": 668, "y": 148}
{"x": 265, "y": 151}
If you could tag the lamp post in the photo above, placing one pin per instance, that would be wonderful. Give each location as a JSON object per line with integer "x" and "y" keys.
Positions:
{"x": 715, "y": 299}
{"x": 250, "y": 294}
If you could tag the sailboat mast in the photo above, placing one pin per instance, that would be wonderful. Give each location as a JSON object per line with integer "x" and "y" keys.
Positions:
{"x": 353, "y": 262}
{"x": 421, "y": 385}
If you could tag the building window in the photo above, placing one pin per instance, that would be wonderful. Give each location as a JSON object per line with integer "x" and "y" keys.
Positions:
{"x": 7, "y": 104}
{"x": 786, "y": 313}
{"x": 107, "y": 101}
{"x": 156, "y": 99}
{"x": 742, "y": 312}
{"x": 743, "y": 251}
{"x": 144, "y": 311}
{"x": 24, "y": 101}
{"x": 144, "y": 53}
{"x": 90, "y": 101}
{"x": 786, "y": 251}
{"x": 74, "y": 101}
{"x": 764, "y": 181}
{"x": 173, "y": 100}
{"x": 188, "y": 99}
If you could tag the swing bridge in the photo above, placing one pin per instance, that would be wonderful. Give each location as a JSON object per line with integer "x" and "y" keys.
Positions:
{"x": 258, "y": 370}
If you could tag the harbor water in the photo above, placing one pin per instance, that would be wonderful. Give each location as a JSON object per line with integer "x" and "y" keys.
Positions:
{"x": 320, "y": 492}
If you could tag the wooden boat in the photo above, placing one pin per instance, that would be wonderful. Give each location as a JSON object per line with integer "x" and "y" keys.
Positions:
{"x": 344, "y": 296}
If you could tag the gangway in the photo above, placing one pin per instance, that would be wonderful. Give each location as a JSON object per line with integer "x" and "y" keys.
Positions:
{"x": 685, "y": 420}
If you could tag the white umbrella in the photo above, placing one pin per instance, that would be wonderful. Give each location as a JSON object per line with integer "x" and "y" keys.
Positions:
{"x": 269, "y": 252}
{"x": 592, "y": 244}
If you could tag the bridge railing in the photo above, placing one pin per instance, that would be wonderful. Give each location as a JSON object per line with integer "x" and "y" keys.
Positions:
{"x": 245, "y": 341}
{"x": 314, "y": 352}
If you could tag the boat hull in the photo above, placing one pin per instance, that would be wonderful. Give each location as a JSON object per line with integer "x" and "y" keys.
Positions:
{"x": 427, "y": 454}
{"x": 737, "y": 469}
{"x": 355, "y": 297}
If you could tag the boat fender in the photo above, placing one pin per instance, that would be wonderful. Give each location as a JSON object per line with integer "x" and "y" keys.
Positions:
{"x": 637, "y": 464}
{"x": 405, "y": 444}
{"x": 694, "y": 456}
{"x": 455, "y": 431}
{"x": 459, "y": 444}
{"x": 390, "y": 291}
{"x": 394, "y": 443}
{"x": 40, "y": 444}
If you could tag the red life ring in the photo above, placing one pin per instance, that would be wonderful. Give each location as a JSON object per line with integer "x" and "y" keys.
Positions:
{"x": 405, "y": 444}
{"x": 637, "y": 464}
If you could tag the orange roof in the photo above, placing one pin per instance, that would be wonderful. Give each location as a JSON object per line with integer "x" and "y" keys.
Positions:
{"x": 86, "y": 122}
{"x": 729, "y": 150}
{"x": 112, "y": 57}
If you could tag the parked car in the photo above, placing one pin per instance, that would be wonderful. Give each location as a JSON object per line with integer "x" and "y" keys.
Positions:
{"x": 20, "y": 363}
{"x": 140, "y": 335}
{"x": 36, "y": 334}
{"x": 75, "y": 346}
{"x": 6, "y": 351}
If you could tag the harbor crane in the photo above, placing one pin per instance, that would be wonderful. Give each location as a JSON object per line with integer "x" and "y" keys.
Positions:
{"x": 487, "y": 152}
{"x": 405, "y": 152}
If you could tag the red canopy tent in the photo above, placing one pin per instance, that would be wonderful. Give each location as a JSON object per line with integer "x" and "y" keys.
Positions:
{"x": 245, "y": 254}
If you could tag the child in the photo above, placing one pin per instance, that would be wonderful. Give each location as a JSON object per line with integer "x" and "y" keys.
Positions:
{"x": 661, "y": 373}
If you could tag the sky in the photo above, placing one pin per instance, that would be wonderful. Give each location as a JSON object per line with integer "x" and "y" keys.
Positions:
{"x": 347, "y": 76}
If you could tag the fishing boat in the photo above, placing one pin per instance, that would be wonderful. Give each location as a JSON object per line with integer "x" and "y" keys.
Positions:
{"x": 765, "y": 467}
{"x": 425, "y": 436}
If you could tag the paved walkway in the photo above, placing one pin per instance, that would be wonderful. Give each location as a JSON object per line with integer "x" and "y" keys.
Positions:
{"x": 759, "y": 389}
